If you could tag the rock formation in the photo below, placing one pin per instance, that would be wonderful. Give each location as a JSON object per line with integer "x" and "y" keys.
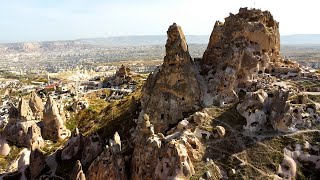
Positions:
{"x": 92, "y": 147}
{"x": 252, "y": 108}
{"x": 4, "y": 148}
{"x": 158, "y": 157}
{"x": 172, "y": 90}
{"x": 77, "y": 173}
{"x": 109, "y": 164}
{"x": 54, "y": 128}
{"x": 24, "y": 110}
{"x": 36, "y": 105}
{"x": 273, "y": 106}
{"x": 123, "y": 75}
{"x": 37, "y": 163}
{"x": 24, "y": 134}
{"x": 245, "y": 45}
{"x": 73, "y": 147}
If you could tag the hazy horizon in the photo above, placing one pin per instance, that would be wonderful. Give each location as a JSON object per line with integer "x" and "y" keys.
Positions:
{"x": 36, "y": 20}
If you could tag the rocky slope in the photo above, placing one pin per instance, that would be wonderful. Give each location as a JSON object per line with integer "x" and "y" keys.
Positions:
{"x": 236, "y": 113}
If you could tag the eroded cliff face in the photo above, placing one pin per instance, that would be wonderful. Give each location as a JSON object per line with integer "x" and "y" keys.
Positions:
{"x": 172, "y": 90}
{"x": 157, "y": 156}
{"x": 245, "y": 45}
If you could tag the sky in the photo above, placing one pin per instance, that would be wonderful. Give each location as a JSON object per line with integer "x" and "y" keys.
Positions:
{"x": 47, "y": 20}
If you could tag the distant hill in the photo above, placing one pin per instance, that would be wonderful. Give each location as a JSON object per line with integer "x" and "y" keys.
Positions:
{"x": 121, "y": 41}
{"x": 301, "y": 39}
{"x": 191, "y": 39}
{"x": 142, "y": 40}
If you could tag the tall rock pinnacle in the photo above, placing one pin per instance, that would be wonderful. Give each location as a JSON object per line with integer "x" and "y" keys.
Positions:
{"x": 172, "y": 89}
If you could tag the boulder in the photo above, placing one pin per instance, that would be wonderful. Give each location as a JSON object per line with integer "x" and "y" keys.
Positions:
{"x": 4, "y": 147}
{"x": 221, "y": 131}
{"x": 201, "y": 117}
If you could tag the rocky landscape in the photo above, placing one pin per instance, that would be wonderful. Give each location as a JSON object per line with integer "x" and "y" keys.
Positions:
{"x": 241, "y": 111}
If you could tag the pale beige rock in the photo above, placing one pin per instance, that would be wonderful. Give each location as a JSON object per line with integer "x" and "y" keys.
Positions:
{"x": 36, "y": 106}
{"x": 24, "y": 134}
{"x": 109, "y": 164}
{"x": 21, "y": 162}
{"x": 4, "y": 147}
{"x": 252, "y": 109}
{"x": 201, "y": 117}
{"x": 54, "y": 128}
{"x": 172, "y": 89}
{"x": 245, "y": 45}
{"x": 221, "y": 131}
{"x": 159, "y": 157}
{"x": 92, "y": 147}
{"x": 24, "y": 110}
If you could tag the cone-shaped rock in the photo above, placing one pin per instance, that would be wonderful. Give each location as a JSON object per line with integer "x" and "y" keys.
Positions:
{"x": 36, "y": 105}
{"x": 25, "y": 112}
{"x": 172, "y": 89}
{"x": 54, "y": 128}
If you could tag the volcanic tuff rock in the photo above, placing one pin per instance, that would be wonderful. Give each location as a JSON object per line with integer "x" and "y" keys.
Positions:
{"x": 77, "y": 173}
{"x": 172, "y": 90}
{"x": 24, "y": 110}
{"x": 37, "y": 163}
{"x": 4, "y": 147}
{"x": 23, "y": 134}
{"x": 123, "y": 75}
{"x": 245, "y": 45}
{"x": 36, "y": 105}
{"x": 167, "y": 157}
{"x": 54, "y": 128}
{"x": 109, "y": 164}
{"x": 273, "y": 106}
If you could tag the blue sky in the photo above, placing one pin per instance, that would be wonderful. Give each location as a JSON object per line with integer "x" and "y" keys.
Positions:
{"x": 38, "y": 20}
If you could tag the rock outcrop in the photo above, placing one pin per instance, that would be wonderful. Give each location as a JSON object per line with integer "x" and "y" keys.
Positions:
{"x": 158, "y": 157}
{"x": 245, "y": 45}
{"x": 36, "y": 106}
{"x": 24, "y": 110}
{"x": 110, "y": 164}
{"x": 37, "y": 163}
{"x": 122, "y": 76}
{"x": 24, "y": 134}
{"x": 54, "y": 128}
{"x": 260, "y": 107}
{"x": 77, "y": 172}
{"x": 4, "y": 148}
{"x": 92, "y": 147}
{"x": 172, "y": 90}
